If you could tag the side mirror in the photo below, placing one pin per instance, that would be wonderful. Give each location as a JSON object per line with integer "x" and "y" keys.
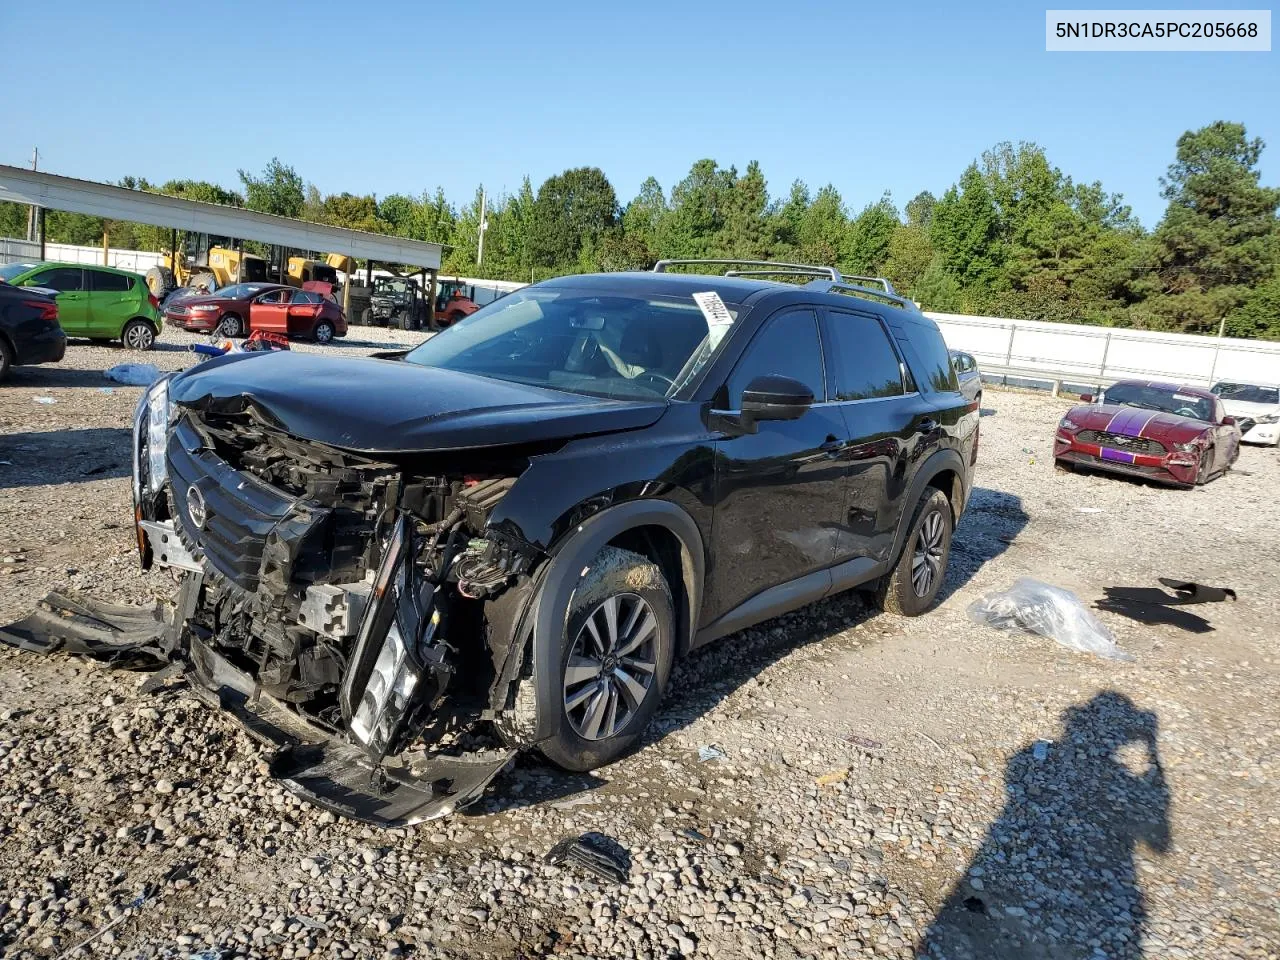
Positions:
{"x": 1228, "y": 421}
{"x": 775, "y": 398}
{"x": 1086, "y": 398}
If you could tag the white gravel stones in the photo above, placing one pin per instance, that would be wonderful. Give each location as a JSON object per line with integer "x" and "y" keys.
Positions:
{"x": 799, "y": 843}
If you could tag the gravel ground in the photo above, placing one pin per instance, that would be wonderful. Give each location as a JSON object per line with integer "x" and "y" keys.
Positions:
{"x": 888, "y": 788}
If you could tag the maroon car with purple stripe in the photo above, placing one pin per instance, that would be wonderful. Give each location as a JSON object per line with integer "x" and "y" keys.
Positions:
{"x": 1165, "y": 432}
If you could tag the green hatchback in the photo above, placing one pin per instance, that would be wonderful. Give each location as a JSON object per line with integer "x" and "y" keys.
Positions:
{"x": 100, "y": 303}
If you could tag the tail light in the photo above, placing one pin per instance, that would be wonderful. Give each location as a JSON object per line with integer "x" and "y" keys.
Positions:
{"x": 151, "y": 298}
{"x": 48, "y": 310}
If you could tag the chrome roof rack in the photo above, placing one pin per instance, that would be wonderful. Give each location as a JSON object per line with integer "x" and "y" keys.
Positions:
{"x": 764, "y": 268}
{"x": 828, "y": 279}
{"x": 886, "y": 295}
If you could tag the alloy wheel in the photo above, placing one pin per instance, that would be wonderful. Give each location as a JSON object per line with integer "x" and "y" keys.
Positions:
{"x": 611, "y": 666}
{"x": 138, "y": 337}
{"x": 926, "y": 560}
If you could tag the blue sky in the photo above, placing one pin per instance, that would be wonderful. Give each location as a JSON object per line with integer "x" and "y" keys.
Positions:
{"x": 870, "y": 98}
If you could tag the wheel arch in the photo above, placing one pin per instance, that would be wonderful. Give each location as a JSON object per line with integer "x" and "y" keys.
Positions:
{"x": 656, "y": 529}
{"x": 944, "y": 471}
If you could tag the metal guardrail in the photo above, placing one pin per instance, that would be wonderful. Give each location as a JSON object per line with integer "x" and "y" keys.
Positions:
{"x": 1074, "y": 354}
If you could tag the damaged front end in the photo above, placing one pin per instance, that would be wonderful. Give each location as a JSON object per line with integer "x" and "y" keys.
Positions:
{"x": 355, "y": 612}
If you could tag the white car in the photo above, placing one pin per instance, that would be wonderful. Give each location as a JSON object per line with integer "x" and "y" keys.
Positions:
{"x": 1256, "y": 408}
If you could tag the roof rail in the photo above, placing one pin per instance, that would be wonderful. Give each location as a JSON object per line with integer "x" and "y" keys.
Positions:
{"x": 887, "y": 295}
{"x": 864, "y": 282}
{"x": 771, "y": 267}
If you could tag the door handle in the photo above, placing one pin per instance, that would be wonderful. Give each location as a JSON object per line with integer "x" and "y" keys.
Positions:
{"x": 927, "y": 425}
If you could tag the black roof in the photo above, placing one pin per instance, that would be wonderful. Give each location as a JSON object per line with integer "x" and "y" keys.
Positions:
{"x": 731, "y": 289}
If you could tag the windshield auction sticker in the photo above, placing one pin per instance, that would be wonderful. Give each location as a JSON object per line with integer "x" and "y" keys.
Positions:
{"x": 717, "y": 315}
{"x": 1155, "y": 31}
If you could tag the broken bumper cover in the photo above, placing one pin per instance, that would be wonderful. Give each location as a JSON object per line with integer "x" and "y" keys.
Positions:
{"x": 310, "y": 760}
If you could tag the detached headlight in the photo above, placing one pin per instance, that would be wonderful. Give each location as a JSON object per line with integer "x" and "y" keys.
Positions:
{"x": 1066, "y": 423}
{"x": 1189, "y": 447}
{"x": 157, "y": 435}
{"x": 150, "y": 435}
{"x": 384, "y": 674}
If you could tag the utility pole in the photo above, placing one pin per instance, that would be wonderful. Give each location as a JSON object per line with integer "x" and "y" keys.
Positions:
{"x": 484, "y": 225}
{"x": 31, "y": 211}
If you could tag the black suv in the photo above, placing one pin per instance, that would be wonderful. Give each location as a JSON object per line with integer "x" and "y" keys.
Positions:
{"x": 516, "y": 527}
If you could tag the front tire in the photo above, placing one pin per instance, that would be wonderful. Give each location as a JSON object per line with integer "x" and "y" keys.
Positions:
{"x": 615, "y": 660}
{"x": 230, "y": 326}
{"x": 138, "y": 335}
{"x": 1202, "y": 471}
{"x": 160, "y": 281}
{"x": 913, "y": 585}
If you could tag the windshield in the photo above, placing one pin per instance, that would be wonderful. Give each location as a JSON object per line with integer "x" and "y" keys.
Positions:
{"x": 391, "y": 286}
{"x": 240, "y": 291}
{"x": 577, "y": 341}
{"x": 11, "y": 270}
{"x": 1247, "y": 392}
{"x": 1156, "y": 398}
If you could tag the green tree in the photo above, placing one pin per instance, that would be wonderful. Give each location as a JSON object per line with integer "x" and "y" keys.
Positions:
{"x": 278, "y": 190}
{"x": 965, "y": 231}
{"x": 573, "y": 208}
{"x": 910, "y": 253}
{"x": 920, "y": 209}
{"x": 1259, "y": 314}
{"x": 822, "y": 227}
{"x": 643, "y": 218}
{"x": 1219, "y": 236}
{"x": 866, "y": 243}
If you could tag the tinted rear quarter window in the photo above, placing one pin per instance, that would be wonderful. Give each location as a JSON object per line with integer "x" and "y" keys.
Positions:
{"x": 787, "y": 346}
{"x": 862, "y": 359}
{"x": 102, "y": 282}
{"x": 932, "y": 359}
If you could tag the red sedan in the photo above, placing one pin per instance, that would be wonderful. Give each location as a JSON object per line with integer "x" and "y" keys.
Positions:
{"x": 1164, "y": 432}
{"x": 242, "y": 308}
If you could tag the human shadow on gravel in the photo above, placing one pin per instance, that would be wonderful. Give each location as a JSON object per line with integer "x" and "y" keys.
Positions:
{"x": 63, "y": 456}
{"x": 991, "y": 522}
{"x": 1055, "y": 877}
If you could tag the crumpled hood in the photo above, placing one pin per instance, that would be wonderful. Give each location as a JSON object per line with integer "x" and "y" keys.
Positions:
{"x": 1243, "y": 408}
{"x": 386, "y": 406}
{"x": 1134, "y": 422}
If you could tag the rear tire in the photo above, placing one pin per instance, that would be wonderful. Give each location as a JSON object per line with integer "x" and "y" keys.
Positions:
{"x": 323, "y": 332}
{"x": 6, "y": 359}
{"x": 912, "y": 586}
{"x": 160, "y": 281}
{"x": 138, "y": 335}
{"x": 208, "y": 279}
{"x": 632, "y": 660}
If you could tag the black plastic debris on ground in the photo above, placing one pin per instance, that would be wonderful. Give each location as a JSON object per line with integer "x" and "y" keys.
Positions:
{"x": 595, "y": 853}
{"x": 1154, "y": 606}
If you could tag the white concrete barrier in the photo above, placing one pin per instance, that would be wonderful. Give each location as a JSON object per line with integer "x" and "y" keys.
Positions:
{"x": 1088, "y": 355}
{"x": 138, "y": 261}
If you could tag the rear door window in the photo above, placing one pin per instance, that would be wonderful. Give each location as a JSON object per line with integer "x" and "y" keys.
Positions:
{"x": 788, "y": 346}
{"x": 861, "y": 359}
{"x": 62, "y": 279}
{"x": 305, "y": 296}
{"x": 102, "y": 282}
